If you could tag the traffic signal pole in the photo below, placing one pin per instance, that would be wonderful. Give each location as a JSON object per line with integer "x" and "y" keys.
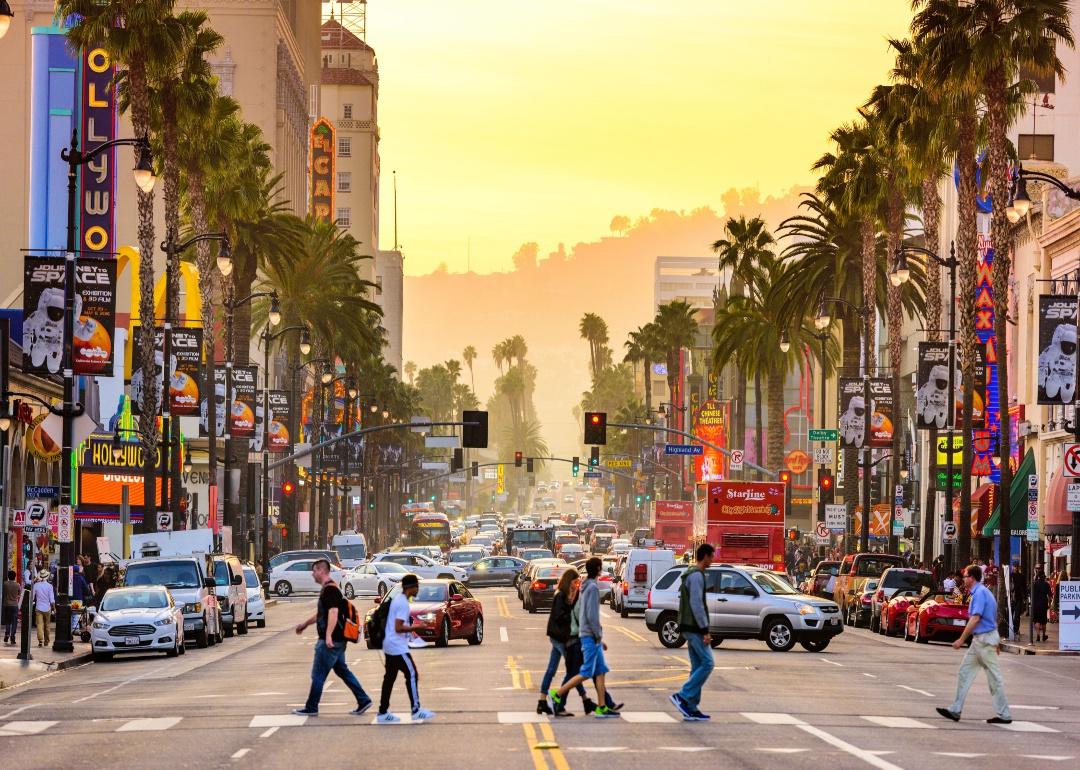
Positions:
{"x": 696, "y": 439}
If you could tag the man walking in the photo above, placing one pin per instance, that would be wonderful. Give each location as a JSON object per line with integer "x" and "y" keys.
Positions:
{"x": 44, "y": 600}
{"x": 694, "y": 624}
{"x": 329, "y": 620}
{"x": 397, "y": 658}
{"x": 10, "y": 607}
{"x": 982, "y": 628}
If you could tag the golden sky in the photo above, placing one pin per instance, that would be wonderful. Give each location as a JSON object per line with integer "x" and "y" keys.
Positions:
{"x": 519, "y": 120}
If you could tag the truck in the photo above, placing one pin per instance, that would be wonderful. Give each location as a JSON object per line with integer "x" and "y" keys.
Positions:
{"x": 672, "y": 523}
{"x": 745, "y": 522}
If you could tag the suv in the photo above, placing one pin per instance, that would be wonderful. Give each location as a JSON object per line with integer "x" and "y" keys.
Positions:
{"x": 190, "y": 579}
{"x": 855, "y": 570}
{"x": 231, "y": 590}
{"x": 285, "y": 557}
{"x": 746, "y": 603}
{"x": 422, "y": 566}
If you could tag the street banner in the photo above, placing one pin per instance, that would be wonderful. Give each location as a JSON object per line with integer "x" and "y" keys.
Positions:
{"x": 218, "y": 392}
{"x": 883, "y": 417}
{"x": 710, "y": 424}
{"x": 97, "y": 178}
{"x": 852, "y": 412}
{"x": 746, "y": 501}
{"x": 280, "y": 440}
{"x": 243, "y": 420}
{"x": 185, "y": 370}
{"x": 1057, "y": 349}
{"x": 43, "y": 315}
{"x": 323, "y": 150}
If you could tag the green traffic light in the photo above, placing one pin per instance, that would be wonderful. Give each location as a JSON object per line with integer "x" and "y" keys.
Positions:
{"x": 410, "y": 499}
{"x": 433, "y": 498}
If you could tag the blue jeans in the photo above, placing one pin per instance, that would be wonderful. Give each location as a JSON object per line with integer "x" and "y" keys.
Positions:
{"x": 701, "y": 666}
{"x": 558, "y": 652}
{"x": 327, "y": 660}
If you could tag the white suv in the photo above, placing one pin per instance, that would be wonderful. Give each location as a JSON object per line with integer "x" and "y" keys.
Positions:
{"x": 422, "y": 566}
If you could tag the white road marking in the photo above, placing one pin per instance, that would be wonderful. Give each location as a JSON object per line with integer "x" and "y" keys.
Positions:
{"x": 17, "y": 711}
{"x": 768, "y": 718}
{"x": 277, "y": 720}
{"x": 149, "y": 724}
{"x": 685, "y": 748}
{"x": 606, "y": 615}
{"x": 1051, "y": 757}
{"x": 25, "y": 728}
{"x": 503, "y": 636}
{"x": 257, "y": 694}
{"x": 1033, "y": 708}
{"x": 900, "y": 722}
{"x": 959, "y": 754}
{"x": 268, "y": 732}
{"x": 329, "y": 684}
{"x": 831, "y": 662}
{"x": 868, "y": 757}
{"x": 783, "y": 751}
{"x": 1027, "y": 727}
{"x": 643, "y": 717}
{"x": 921, "y": 692}
{"x": 111, "y": 689}
{"x": 239, "y": 753}
{"x": 220, "y": 695}
{"x": 872, "y": 676}
{"x": 521, "y": 717}
{"x": 449, "y": 689}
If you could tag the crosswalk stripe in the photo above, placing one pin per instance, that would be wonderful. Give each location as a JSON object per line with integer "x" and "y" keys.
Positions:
{"x": 520, "y": 717}
{"x": 768, "y": 718}
{"x": 1050, "y": 757}
{"x": 150, "y": 724}
{"x": 646, "y": 716}
{"x": 277, "y": 720}
{"x": 25, "y": 728}
{"x": 1027, "y": 727}
{"x": 900, "y": 722}
{"x": 959, "y": 754}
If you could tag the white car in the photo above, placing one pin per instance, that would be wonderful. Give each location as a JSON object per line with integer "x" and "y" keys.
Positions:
{"x": 256, "y": 604}
{"x": 137, "y": 619}
{"x": 422, "y": 566}
{"x": 294, "y": 577}
{"x": 620, "y": 545}
{"x": 373, "y": 579}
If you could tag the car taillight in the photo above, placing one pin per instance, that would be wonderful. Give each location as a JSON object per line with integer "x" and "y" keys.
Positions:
{"x": 537, "y": 585}
{"x": 866, "y": 598}
{"x": 648, "y": 601}
{"x": 641, "y": 573}
{"x": 625, "y": 586}
{"x": 880, "y": 595}
{"x": 605, "y": 578}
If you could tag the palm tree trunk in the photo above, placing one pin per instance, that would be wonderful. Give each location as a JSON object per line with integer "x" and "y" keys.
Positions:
{"x": 776, "y": 418}
{"x": 648, "y": 386}
{"x": 851, "y": 344}
{"x": 759, "y": 420}
{"x": 893, "y": 235}
{"x": 968, "y": 258}
{"x": 869, "y": 286}
{"x": 931, "y": 204}
{"x": 739, "y": 439}
{"x": 171, "y": 194}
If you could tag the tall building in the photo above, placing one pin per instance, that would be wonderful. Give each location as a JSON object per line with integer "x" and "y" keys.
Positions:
{"x": 391, "y": 281}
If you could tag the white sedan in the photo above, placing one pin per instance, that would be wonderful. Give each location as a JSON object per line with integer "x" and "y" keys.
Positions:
{"x": 373, "y": 579}
{"x": 422, "y": 566}
{"x": 295, "y": 577}
{"x": 256, "y": 604}
{"x": 137, "y": 619}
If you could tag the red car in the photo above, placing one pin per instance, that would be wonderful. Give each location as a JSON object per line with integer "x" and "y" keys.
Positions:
{"x": 937, "y": 617}
{"x": 893, "y": 616}
{"x": 444, "y": 610}
{"x": 896, "y": 582}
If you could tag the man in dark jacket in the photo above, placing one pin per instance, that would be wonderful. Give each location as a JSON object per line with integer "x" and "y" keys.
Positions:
{"x": 694, "y": 624}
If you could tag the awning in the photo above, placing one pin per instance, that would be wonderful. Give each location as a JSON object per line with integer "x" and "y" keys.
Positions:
{"x": 982, "y": 501}
{"x": 1018, "y": 497}
{"x": 1056, "y": 517}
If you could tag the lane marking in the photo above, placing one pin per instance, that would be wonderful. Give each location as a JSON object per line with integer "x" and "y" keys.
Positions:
{"x": 503, "y": 636}
{"x": 239, "y": 753}
{"x": 148, "y": 724}
{"x": 520, "y": 717}
{"x": 868, "y": 757}
{"x": 555, "y": 752}
{"x": 681, "y": 661}
{"x": 1027, "y": 727}
{"x": 606, "y": 615}
{"x": 872, "y": 676}
{"x": 959, "y": 754}
{"x": 539, "y": 763}
{"x": 515, "y": 675}
{"x": 277, "y": 720}
{"x": 19, "y": 710}
{"x": 267, "y": 733}
{"x": 831, "y": 662}
{"x": 685, "y": 748}
{"x": 258, "y": 694}
{"x": 1011, "y": 707}
{"x": 629, "y": 634}
{"x": 209, "y": 696}
{"x": 25, "y": 728}
{"x": 643, "y": 717}
{"x": 1051, "y": 757}
{"x": 903, "y": 723}
{"x": 113, "y": 688}
{"x": 526, "y": 679}
{"x": 502, "y": 606}
{"x": 783, "y": 751}
{"x": 448, "y": 689}
{"x": 768, "y": 718}
{"x": 921, "y": 692}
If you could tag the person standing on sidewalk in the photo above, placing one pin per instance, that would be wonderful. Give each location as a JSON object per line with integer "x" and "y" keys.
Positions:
{"x": 559, "y": 634}
{"x": 694, "y": 624}
{"x": 1040, "y": 604}
{"x": 983, "y": 653}
{"x": 329, "y": 620}
{"x": 395, "y": 647}
{"x": 11, "y": 607}
{"x": 44, "y": 599}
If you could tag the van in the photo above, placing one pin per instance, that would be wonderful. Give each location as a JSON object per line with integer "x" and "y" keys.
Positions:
{"x": 640, "y": 569}
{"x": 351, "y": 547}
{"x": 231, "y": 590}
{"x": 190, "y": 579}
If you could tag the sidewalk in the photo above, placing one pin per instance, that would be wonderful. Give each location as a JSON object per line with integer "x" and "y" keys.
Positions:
{"x": 14, "y": 671}
{"x": 1023, "y": 645}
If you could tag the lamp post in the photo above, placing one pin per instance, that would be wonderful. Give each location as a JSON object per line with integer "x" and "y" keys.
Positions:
{"x": 6, "y": 15}
{"x": 144, "y": 178}
{"x": 822, "y": 322}
{"x": 316, "y": 424}
{"x": 900, "y": 275}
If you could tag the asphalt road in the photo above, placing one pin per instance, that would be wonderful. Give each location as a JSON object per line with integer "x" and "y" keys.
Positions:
{"x": 863, "y": 702}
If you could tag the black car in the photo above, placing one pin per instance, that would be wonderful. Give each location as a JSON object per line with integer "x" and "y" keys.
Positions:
{"x": 540, "y": 592}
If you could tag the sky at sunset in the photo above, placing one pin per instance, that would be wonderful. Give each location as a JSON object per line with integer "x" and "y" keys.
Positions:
{"x": 511, "y": 121}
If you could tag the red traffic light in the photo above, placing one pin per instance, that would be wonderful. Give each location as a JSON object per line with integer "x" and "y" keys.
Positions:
{"x": 826, "y": 482}
{"x": 517, "y": 459}
{"x": 594, "y": 418}
{"x": 785, "y": 476}
{"x": 287, "y": 488}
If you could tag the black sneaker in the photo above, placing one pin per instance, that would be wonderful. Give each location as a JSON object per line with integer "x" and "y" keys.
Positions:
{"x": 361, "y": 708}
{"x": 306, "y": 712}
{"x": 681, "y": 705}
{"x": 948, "y": 714}
{"x": 998, "y": 721}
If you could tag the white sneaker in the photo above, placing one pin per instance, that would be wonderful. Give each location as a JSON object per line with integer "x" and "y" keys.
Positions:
{"x": 422, "y": 715}
{"x": 388, "y": 718}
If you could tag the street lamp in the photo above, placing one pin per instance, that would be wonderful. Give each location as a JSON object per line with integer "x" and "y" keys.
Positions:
{"x": 327, "y": 375}
{"x": 305, "y": 341}
{"x": 6, "y": 15}
{"x": 785, "y": 343}
{"x": 823, "y": 319}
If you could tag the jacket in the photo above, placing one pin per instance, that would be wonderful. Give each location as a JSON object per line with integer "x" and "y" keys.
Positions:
{"x": 589, "y": 613}
{"x": 693, "y": 611}
{"x": 558, "y": 625}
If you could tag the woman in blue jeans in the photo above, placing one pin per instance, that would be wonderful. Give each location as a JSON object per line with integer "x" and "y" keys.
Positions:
{"x": 560, "y": 634}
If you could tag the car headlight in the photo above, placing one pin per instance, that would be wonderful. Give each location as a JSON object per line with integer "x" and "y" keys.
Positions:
{"x": 193, "y": 607}
{"x": 427, "y": 617}
{"x": 805, "y": 609}
{"x": 163, "y": 622}
{"x": 100, "y": 624}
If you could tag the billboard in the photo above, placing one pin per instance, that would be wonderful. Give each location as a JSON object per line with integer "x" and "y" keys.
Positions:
{"x": 751, "y": 502}
{"x": 710, "y": 424}
{"x": 97, "y": 178}
{"x": 103, "y": 476}
{"x": 1057, "y": 349}
{"x": 322, "y": 170}
{"x": 674, "y": 510}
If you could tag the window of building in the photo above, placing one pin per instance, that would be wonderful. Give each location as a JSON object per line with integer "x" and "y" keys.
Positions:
{"x": 1035, "y": 147}
{"x": 344, "y": 217}
{"x": 347, "y": 111}
{"x": 344, "y": 146}
{"x": 344, "y": 181}
{"x": 1047, "y": 83}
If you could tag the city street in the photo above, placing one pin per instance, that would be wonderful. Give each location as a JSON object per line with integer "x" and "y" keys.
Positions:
{"x": 865, "y": 701}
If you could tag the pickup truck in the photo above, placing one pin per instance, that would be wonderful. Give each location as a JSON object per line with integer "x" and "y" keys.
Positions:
{"x": 855, "y": 570}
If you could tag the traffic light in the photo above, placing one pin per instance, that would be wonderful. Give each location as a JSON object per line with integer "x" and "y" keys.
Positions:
{"x": 575, "y": 466}
{"x": 529, "y": 464}
{"x": 474, "y": 436}
{"x": 637, "y": 499}
{"x": 517, "y": 459}
{"x": 458, "y": 462}
{"x": 826, "y": 486}
{"x": 793, "y": 534}
{"x": 596, "y": 427}
{"x": 594, "y": 457}
{"x": 785, "y": 477}
{"x": 287, "y": 489}
{"x": 475, "y": 469}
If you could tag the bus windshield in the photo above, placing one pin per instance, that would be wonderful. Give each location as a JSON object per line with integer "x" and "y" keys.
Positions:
{"x": 429, "y": 530}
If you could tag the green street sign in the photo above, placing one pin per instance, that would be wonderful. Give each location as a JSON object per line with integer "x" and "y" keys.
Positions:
{"x": 824, "y": 434}
{"x": 957, "y": 480}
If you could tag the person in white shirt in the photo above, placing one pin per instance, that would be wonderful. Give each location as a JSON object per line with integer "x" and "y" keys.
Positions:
{"x": 949, "y": 584}
{"x": 44, "y": 599}
{"x": 397, "y": 657}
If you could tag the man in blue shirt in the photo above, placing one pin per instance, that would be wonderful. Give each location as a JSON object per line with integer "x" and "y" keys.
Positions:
{"x": 982, "y": 628}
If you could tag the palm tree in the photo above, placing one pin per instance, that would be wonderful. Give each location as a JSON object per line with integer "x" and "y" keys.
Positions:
{"x": 676, "y": 328}
{"x": 410, "y": 370}
{"x": 593, "y": 329}
{"x": 468, "y": 355}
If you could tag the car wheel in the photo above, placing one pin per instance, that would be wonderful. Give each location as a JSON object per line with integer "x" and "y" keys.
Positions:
{"x": 350, "y": 592}
{"x": 444, "y": 635}
{"x": 202, "y": 638}
{"x": 875, "y": 623}
{"x": 260, "y": 624}
{"x": 478, "y": 632}
{"x": 183, "y": 644}
{"x": 242, "y": 628}
{"x": 670, "y": 634}
{"x": 716, "y": 641}
{"x": 814, "y": 645}
{"x": 229, "y": 631}
{"x": 283, "y": 588}
{"x": 888, "y": 630}
{"x": 175, "y": 651}
{"x": 623, "y": 612}
{"x": 382, "y": 589}
{"x": 919, "y": 638}
{"x": 102, "y": 657}
{"x": 907, "y": 636}
{"x": 532, "y": 608}
{"x": 779, "y": 635}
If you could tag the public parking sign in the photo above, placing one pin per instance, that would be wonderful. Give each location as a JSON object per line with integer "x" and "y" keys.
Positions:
{"x": 1072, "y": 498}
{"x": 1069, "y": 618}
{"x": 948, "y": 532}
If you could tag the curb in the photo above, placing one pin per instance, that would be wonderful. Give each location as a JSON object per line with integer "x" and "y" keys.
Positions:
{"x": 1023, "y": 649}
{"x": 74, "y": 660}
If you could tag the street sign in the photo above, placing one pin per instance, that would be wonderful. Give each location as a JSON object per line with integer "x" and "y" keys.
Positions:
{"x": 592, "y": 474}
{"x": 899, "y": 520}
{"x": 824, "y": 434}
{"x": 823, "y": 455}
{"x": 1072, "y": 500}
{"x": 736, "y": 460}
{"x": 64, "y": 528}
{"x": 618, "y": 462}
{"x": 41, "y": 493}
{"x": 836, "y": 517}
{"x": 948, "y": 532}
{"x": 684, "y": 449}
{"x": 422, "y": 423}
{"x": 1033, "y": 510}
{"x": 1069, "y": 617}
{"x": 821, "y": 533}
{"x": 164, "y": 521}
{"x": 1033, "y": 481}
{"x": 1071, "y": 461}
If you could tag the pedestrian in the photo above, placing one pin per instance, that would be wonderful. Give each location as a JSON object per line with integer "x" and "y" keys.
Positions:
{"x": 399, "y": 629}
{"x": 1040, "y": 604}
{"x": 44, "y": 598}
{"x": 1018, "y": 590}
{"x": 949, "y": 584}
{"x": 11, "y": 607}
{"x": 81, "y": 596}
{"x": 990, "y": 573}
{"x": 694, "y": 624}
{"x": 558, "y": 630}
{"x": 329, "y": 620}
{"x": 984, "y": 650}
{"x": 591, "y": 635}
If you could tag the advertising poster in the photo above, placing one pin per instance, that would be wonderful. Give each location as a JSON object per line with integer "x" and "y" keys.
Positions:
{"x": 759, "y": 502}
{"x": 218, "y": 392}
{"x": 103, "y": 476}
{"x": 1057, "y": 349}
{"x": 852, "y": 411}
{"x": 710, "y": 424}
{"x": 280, "y": 441}
{"x": 932, "y": 384}
{"x": 243, "y": 421}
{"x": 185, "y": 370}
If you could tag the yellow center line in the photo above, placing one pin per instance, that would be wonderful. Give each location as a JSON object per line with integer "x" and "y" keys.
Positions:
{"x": 557, "y": 757}
{"x": 515, "y": 676}
{"x": 526, "y": 677}
{"x": 537, "y": 754}
{"x": 630, "y": 634}
{"x": 680, "y": 661}
{"x": 504, "y": 608}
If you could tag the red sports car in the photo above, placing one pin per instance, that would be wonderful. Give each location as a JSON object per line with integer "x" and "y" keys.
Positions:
{"x": 443, "y": 610}
{"x": 938, "y": 617}
{"x": 894, "y": 612}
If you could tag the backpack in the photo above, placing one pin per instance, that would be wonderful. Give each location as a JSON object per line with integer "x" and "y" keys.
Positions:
{"x": 351, "y": 619}
{"x": 375, "y": 630}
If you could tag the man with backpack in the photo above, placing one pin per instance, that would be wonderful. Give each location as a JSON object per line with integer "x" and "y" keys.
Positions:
{"x": 694, "y": 624}
{"x": 333, "y": 614}
{"x": 395, "y": 647}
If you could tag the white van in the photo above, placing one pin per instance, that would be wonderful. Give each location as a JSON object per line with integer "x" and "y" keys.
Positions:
{"x": 351, "y": 547}
{"x": 642, "y": 568}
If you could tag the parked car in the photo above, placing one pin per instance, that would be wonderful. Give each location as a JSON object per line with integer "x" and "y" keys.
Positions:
{"x": 896, "y": 582}
{"x": 938, "y": 617}
{"x": 137, "y": 619}
{"x": 433, "y": 552}
{"x": 443, "y": 610}
{"x": 231, "y": 592}
{"x": 495, "y": 571}
{"x": 422, "y": 566}
{"x": 190, "y": 580}
{"x": 855, "y": 570}
{"x": 374, "y": 579}
{"x": 295, "y": 577}
{"x": 894, "y": 612}
{"x": 539, "y": 592}
{"x": 636, "y": 573}
{"x": 256, "y": 602}
{"x": 858, "y": 613}
{"x": 822, "y": 579}
{"x": 329, "y": 554}
{"x": 746, "y": 603}
{"x": 463, "y": 557}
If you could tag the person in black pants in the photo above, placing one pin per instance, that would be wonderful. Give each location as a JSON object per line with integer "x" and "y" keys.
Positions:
{"x": 559, "y": 633}
{"x": 1040, "y": 604}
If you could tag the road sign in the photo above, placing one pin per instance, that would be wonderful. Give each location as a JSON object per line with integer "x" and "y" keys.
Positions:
{"x": 683, "y": 449}
{"x": 592, "y": 474}
{"x": 823, "y": 455}
{"x": 824, "y": 434}
{"x": 1033, "y": 510}
{"x": 64, "y": 528}
{"x": 621, "y": 462}
{"x": 899, "y": 520}
{"x": 948, "y": 532}
{"x": 42, "y": 493}
{"x": 821, "y": 533}
{"x": 1033, "y": 481}
{"x": 836, "y": 517}
{"x": 1071, "y": 461}
{"x": 736, "y": 460}
{"x": 1072, "y": 499}
{"x": 1069, "y": 618}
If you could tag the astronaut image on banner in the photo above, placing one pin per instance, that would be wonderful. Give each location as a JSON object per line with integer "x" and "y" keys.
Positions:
{"x": 853, "y": 423}
{"x": 44, "y": 329}
{"x": 932, "y": 399}
{"x": 138, "y": 381}
{"x": 257, "y": 440}
{"x": 1057, "y": 343}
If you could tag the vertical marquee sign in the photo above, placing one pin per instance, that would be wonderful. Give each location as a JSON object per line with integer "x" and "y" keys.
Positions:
{"x": 322, "y": 170}
{"x": 98, "y": 177}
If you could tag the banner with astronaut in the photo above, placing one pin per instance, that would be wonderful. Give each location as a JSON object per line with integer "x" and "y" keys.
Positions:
{"x": 852, "y": 423}
{"x": 185, "y": 370}
{"x": 280, "y": 440}
{"x": 43, "y": 315}
{"x": 217, "y": 392}
{"x": 245, "y": 421}
{"x": 1057, "y": 349}
{"x": 932, "y": 385}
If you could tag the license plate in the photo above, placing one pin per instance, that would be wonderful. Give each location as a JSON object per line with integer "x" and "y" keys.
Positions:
{"x": 959, "y": 622}
{"x": 131, "y": 640}
{"x": 189, "y": 625}
{"x": 834, "y": 621}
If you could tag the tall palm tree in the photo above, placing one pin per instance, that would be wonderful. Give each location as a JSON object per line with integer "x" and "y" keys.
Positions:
{"x": 594, "y": 330}
{"x": 410, "y": 370}
{"x": 676, "y": 329}
{"x": 468, "y": 355}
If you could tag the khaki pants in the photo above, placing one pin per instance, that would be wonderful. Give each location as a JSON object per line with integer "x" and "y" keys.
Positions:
{"x": 982, "y": 655}
{"x": 41, "y": 618}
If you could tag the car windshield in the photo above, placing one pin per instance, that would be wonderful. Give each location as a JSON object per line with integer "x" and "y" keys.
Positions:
{"x": 388, "y": 566}
{"x": 465, "y": 557}
{"x": 771, "y": 584}
{"x": 134, "y": 600}
{"x": 908, "y": 581}
{"x": 874, "y": 567}
{"x": 352, "y": 551}
{"x": 251, "y": 578}
{"x": 536, "y": 553}
{"x": 173, "y": 574}
{"x": 431, "y": 592}
{"x": 549, "y": 572}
